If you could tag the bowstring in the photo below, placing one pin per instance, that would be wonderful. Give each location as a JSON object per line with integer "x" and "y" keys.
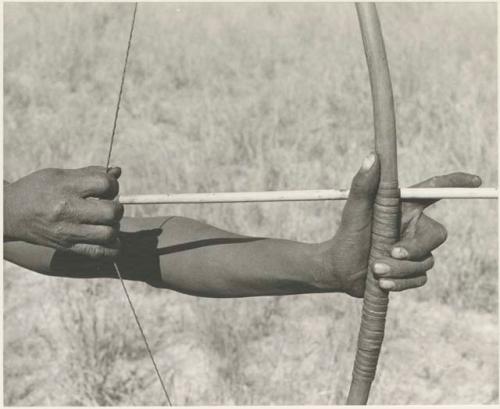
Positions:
{"x": 118, "y": 103}
{"x": 115, "y": 265}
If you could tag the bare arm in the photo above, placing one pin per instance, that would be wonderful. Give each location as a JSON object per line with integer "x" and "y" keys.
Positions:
{"x": 195, "y": 258}
{"x": 191, "y": 257}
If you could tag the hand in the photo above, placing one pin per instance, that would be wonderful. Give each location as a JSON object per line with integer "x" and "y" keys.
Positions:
{"x": 410, "y": 258}
{"x": 71, "y": 210}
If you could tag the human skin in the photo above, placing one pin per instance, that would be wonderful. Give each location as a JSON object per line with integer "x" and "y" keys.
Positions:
{"x": 195, "y": 258}
{"x": 54, "y": 208}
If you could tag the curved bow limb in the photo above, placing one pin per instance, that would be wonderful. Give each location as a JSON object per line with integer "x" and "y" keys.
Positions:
{"x": 386, "y": 212}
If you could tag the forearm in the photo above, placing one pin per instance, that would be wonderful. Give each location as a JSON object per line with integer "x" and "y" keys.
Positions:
{"x": 195, "y": 258}
{"x": 200, "y": 259}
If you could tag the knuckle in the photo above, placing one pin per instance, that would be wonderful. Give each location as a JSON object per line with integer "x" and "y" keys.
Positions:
{"x": 108, "y": 184}
{"x": 63, "y": 238}
{"x": 114, "y": 187}
{"x": 118, "y": 211}
{"x": 109, "y": 234}
{"x": 60, "y": 209}
{"x": 102, "y": 182}
{"x": 443, "y": 233}
{"x": 108, "y": 212}
{"x": 112, "y": 212}
{"x": 434, "y": 181}
{"x": 431, "y": 262}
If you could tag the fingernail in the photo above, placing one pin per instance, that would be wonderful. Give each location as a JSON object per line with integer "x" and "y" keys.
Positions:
{"x": 476, "y": 181}
{"x": 381, "y": 268}
{"x": 368, "y": 162}
{"x": 399, "y": 252}
{"x": 386, "y": 285}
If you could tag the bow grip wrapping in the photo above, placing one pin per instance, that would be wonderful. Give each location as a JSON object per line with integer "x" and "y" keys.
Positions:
{"x": 386, "y": 211}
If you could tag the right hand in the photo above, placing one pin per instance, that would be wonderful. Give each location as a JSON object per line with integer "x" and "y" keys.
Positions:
{"x": 66, "y": 209}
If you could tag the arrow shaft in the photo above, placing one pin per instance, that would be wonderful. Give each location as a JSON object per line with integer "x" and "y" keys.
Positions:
{"x": 301, "y": 195}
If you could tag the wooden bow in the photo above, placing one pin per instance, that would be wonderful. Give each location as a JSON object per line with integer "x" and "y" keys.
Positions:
{"x": 386, "y": 212}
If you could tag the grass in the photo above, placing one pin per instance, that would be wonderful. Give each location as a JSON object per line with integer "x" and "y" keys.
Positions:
{"x": 225, "y": 97}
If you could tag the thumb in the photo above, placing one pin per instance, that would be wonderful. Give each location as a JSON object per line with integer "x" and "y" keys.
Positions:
{"x": 357, "y": 213}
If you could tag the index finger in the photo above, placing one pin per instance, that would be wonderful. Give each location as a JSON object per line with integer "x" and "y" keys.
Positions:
{"x": 94, "y": 181}
{"x": 456, "y": 179}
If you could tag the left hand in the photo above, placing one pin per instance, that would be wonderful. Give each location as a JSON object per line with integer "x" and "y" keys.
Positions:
{"x": 411, "y": 257}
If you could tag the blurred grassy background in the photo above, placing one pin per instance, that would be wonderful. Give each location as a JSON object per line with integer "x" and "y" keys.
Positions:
{"x": 223, "y": 97}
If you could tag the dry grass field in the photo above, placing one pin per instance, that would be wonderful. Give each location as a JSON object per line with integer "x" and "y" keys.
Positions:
{"x": 226, "y": 97}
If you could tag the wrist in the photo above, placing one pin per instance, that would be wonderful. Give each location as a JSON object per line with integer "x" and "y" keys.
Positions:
{"x": 327, "y": 277}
